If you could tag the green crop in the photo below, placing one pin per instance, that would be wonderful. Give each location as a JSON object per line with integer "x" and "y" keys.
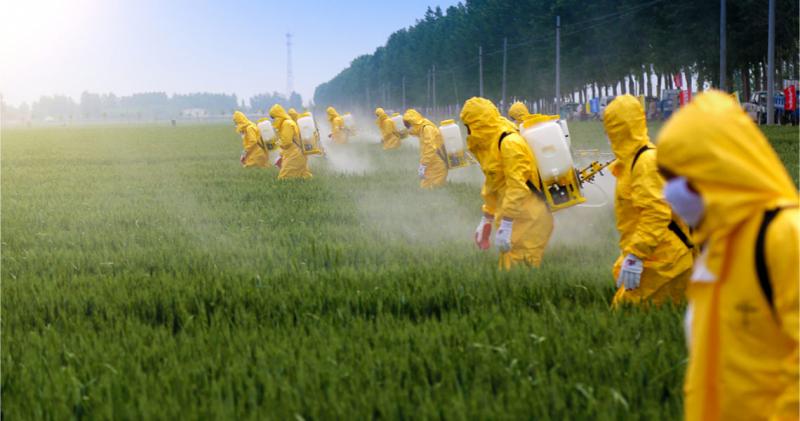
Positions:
{"x": 146, "y": 275}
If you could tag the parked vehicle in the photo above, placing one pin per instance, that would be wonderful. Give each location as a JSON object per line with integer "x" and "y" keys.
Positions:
{"x": 756, "y": 108}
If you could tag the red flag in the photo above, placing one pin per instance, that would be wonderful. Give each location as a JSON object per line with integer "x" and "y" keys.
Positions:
{"x": 686, "y": 97}
{"x": 790, "y": 98}
{"x": 678, "y": 80}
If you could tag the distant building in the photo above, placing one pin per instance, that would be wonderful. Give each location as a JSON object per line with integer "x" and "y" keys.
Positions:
{"x": 194, "y": 113}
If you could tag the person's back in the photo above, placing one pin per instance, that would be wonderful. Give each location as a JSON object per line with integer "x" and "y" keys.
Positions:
{"x": 655, "y": 258}
{"x": 254, "y": 153}
{"x": 510, "y": 191}
{"x": 338, "y": 133}
{"x": 294, "y": 163}
{"x": 432, "y": 169}
{"x": 389, "y": 136}
{"x": 742, "y": 320}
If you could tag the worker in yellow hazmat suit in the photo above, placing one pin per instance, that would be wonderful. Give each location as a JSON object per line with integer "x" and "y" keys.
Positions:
{"x": 293, "y": 114}
{"x": 389, "y": 136}
{"x": 254, "y": 153}
{"x": 432, "y": 170}
{"x": 742, "y": 318}
{"x": 656, "y": 250}
{"x": 293, "y": 163}
{"x": 338, "y": 131}
{"x": 511, "y": 190}
{"x": 519, "y": 112}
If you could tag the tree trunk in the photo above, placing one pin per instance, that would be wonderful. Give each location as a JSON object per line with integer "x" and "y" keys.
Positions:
{"x": 644, "y": 85}
{"x": 658, "y": 86}
{"x": 746, "y": 83}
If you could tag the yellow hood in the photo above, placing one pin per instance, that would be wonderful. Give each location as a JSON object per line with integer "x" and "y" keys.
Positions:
{"x": 293, "y": 114}
{"x": 241, "y": 121}
{"x": 381, "y": 114}
{"x": 278, "y": 115}
{"x": 484, "y": 122}
{"x": 518, "y": 112}
{"x": 416, "y": 120}
{"x": 626, "y": 127}
{"x": 332, "y": 113}
{"x": 714, "y": 144}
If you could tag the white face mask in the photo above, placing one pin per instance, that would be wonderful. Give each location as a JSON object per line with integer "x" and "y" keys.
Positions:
{"x": 686, "y": 203}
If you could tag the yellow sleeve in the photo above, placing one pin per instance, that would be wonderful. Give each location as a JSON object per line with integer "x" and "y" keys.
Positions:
{"x": 287, "y": 135}
{"x": 489, "y": 195}
{"x": 250, "y": 141}
{"x": 518, "y": 163}
{"x": 337, "y": 125}
{"x": 781, "y": 254}
{"x": 647, "y": 195}
{"x": 427, "y": 140}
{"x": 387, "y": 129}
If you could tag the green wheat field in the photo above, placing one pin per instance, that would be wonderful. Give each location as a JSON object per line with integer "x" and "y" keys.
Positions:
{"x": 146, "y": 275}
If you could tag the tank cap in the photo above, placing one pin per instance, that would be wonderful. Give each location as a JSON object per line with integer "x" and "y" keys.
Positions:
{"x": 447, "y": 122}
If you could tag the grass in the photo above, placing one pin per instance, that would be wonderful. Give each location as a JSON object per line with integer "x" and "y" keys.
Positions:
{"x": 146, "y": 275}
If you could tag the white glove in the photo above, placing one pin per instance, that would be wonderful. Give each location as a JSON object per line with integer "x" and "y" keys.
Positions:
{"x": 483, "y": 232}
{"x": 503, "y": 236}
{"x": 421, "y": 171}
{"x": 631, "y": 272}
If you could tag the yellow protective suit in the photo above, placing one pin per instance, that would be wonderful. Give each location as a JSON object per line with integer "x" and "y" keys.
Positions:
{"x": 255, "y": 153}
{"x": 338, "y": 132}
{"x": 643, "y": 216}
{"x": 389, "y": 136}
{"x": 509, "y": 168}
{"x": 743, "y": 353}
{"x": 293, "y": 114}
{"x": 519, "y": 113}
{"x": 294, "y": 163}
{"x": 431, "y": 151}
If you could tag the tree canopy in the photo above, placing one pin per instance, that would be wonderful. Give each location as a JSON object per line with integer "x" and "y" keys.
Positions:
{"x": 623, "y": 45}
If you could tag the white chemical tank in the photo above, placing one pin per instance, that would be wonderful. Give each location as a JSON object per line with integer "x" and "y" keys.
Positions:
{"x": 549, "y": 145}
{"x": 453, "y": 144}
{"x": 565, "y": 129}
{"x": 349, "y": 122}
{"x": 306, "y": 126}
{"x": 399, "y": 126}
{"x": 267, "y": 133}
{"x": 309, "y": 136}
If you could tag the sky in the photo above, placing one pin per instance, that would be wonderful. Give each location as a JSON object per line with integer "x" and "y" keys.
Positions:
{"x": 179, "y": 46}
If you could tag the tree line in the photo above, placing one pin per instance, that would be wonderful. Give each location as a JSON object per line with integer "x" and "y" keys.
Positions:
{"x": 147, "y": 105}
{"x": 608, "y": 47}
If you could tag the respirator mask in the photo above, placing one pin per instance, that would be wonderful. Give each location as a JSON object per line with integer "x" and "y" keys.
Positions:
{"x": 684, "y": 201}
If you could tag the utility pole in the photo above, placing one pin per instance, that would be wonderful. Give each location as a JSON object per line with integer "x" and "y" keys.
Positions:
{"x": 723, "y": 55}
{"x": 433, "y": 81}
{"x": 289, "y": 75}
{"x": 428, "y": 95}
{"x": 480, "y": 72}
{"x": 505, "y": 62}
{"x": 368, "y": 98}
{"x": 404, "y": 94}
{"x": 771, "y": 65}
{"x": 558, "y": 64}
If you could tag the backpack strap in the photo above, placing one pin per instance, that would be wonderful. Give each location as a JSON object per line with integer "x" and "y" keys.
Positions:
{"x": 761, "y": 264}
{"x": 676, "y": 229}
{"x": 673, "y": 226}
{"x": 537, "y": 191}
{"x": 638, "y": 154}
